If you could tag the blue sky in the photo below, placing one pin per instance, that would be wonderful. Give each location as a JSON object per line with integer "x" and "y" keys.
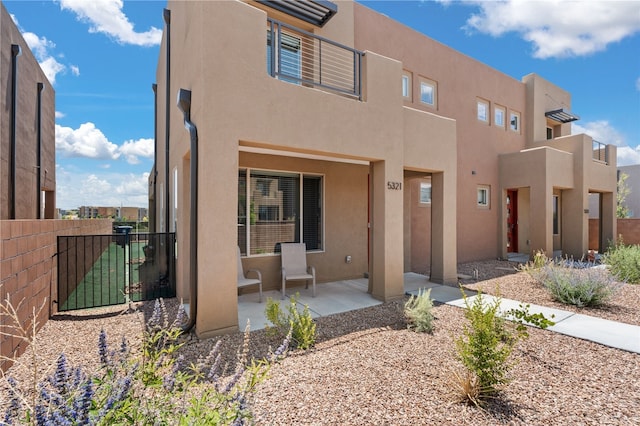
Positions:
{"x": 101, "y": 57}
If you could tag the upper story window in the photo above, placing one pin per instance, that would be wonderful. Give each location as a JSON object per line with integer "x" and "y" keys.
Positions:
{"x": 428, "y": 92}
{"x": 483, "y": 110}
{"x": 499, "y": 116}
{"x": 406, "y": 85}
{"x": 514, "y": 121}
{"x": 425, "y": 192}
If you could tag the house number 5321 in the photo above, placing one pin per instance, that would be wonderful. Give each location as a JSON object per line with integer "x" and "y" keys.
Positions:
{"x": 396, "y": 186}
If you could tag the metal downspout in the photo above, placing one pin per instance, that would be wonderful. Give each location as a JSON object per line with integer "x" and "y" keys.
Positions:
{"x": 39, "y": 154}
{"x": 184, "y": 103}
{"x": 166, "y": 14}
{"x": 15, "y": 52}
{"x": 154, "y": 87}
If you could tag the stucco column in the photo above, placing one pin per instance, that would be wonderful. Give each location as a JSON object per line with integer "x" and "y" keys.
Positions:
{"x": 386, "y": 280}
{"x": 443, "y": 229}
{"x": 542, "y": 221}
{"x": 608, "y": 220}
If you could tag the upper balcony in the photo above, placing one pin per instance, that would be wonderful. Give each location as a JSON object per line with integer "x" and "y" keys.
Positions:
{"x": 300, "y": 57}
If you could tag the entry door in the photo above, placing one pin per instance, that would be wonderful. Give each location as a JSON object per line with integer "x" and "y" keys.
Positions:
{"x": 512, "y": 221}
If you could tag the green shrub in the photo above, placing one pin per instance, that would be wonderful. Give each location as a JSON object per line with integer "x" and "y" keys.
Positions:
{"x": 417, "y": 310}
{"x": 624, "y": 262}
{"x": 486, "y": 345}
{"x": 300, "y": 326}
{"x": 576, "y": 286}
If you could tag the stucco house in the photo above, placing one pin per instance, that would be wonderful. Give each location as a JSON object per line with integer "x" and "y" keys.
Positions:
{"x": 381, "y": 149}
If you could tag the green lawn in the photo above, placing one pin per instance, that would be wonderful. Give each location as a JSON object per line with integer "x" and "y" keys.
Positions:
{"x": 106, "y": 282}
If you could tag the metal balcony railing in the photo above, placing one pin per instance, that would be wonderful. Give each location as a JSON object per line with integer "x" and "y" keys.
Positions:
{"x": 600, "y": 152}
{"x": 300, "y": 57}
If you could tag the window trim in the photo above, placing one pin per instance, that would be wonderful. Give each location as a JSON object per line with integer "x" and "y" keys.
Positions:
{"x": 487, "y": 110}
{"x": 434, "y": 87}
{"x": 486, "y": 205}
{"x": 302, "y": 175}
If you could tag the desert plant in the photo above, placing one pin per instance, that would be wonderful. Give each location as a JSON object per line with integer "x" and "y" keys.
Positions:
{"x": 154, "y": 387}
{"x": 578, "y": 286}
{"x": 624, "y": 262}
{"x": 300, "y": 326}
{"x": 486, "y": 345}
{"x": 417, "y": 310}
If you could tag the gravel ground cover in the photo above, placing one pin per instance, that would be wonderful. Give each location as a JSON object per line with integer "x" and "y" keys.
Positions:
{"x": 368, "y": 369}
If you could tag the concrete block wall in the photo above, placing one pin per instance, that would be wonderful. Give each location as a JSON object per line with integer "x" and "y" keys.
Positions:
{"x": 28, "y": 270}
{"x": 629, "y": 229}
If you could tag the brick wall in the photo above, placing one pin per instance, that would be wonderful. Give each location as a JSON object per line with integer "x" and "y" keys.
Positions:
{"x": 28, "y": 269}
{"x": 629, "y": 229}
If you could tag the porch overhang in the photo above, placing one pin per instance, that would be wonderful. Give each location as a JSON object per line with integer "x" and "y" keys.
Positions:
{"x": 561, "y": 116}
{"x": 315, "y": 12}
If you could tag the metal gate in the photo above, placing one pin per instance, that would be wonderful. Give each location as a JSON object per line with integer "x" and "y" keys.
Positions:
{"x": 103, "y": 270}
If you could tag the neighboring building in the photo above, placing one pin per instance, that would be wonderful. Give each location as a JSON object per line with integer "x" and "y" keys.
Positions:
{"x": 27, "y": 130}
{"x": 633, "y": 183}
{"x": 402, "y": 155}
{"x": 132, "y": 214}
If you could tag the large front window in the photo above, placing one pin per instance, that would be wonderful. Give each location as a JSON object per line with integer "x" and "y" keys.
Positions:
{"x": 287, "y": 59}
{"x": 278, "y": 207}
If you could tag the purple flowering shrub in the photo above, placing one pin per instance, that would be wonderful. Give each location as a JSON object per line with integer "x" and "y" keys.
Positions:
{"x": 152, "y": 387}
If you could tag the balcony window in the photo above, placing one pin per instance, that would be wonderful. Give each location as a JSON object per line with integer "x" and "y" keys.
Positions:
{"x": 406, "y": 85}
{"x": 290, "y": 61}
{"x": 278, "y": 207}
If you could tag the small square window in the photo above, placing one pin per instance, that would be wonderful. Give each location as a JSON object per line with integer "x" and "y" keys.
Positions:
{"x": 483, "y": 197}
{"x": 428, "y": 92}
{"x": 499, "y": 116}
{"x": 406, "y": 86}
{"x": 514, "y": 121}
{"x": 483, "y": 110}
{"x": 425, "y": 192}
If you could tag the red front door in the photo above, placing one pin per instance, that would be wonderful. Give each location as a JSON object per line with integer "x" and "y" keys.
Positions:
{"x": 512, "y": 221}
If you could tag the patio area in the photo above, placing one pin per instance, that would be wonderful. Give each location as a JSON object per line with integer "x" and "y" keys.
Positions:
{"x": 332, "y": 298}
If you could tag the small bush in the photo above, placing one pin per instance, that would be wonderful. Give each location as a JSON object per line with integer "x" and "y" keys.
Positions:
{"x": 486, "y": 345}
{"x": 300, "y": 326}
{"x": 417, "y": 310}
{"x": 579, "y": 287}
{"x": 624, "y": 262}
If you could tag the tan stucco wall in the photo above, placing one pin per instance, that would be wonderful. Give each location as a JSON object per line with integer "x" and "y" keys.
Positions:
{"x": 460, "y": 81}
{"x": 28, "y": 75}
{"x": 236, "y": 106}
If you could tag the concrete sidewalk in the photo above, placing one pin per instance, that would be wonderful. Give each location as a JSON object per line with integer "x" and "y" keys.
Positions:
{"x": 343, "y": 296}
{"x": 605, "y": 332}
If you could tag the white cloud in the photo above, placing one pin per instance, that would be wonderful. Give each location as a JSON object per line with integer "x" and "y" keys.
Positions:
{"x": 40, "y": 47}
{"x": 132, "y": 150}
{"x": 75, "y": 189}
{"x": 86, "y": 141}
{"x": 638, "y": 84}
{"x": 604, "y": 132}
{"x": 628, "y": 155}
{"x": 75, "y": 70}
{"x": 60, "y": 114}
{"x": 559, "y": 28}
{"x": 107, "y": 17}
